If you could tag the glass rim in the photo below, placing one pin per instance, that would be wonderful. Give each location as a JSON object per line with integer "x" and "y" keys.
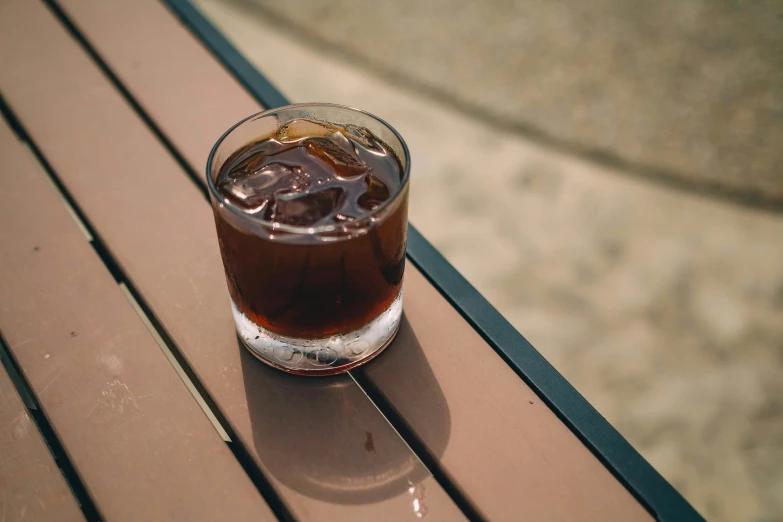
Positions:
{"x": 297, "y": 229}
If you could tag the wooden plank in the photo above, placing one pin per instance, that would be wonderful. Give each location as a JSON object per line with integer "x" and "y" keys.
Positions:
{"x": 31, "y": 485}
{"x": 322, "y": 444}
{"x": 143, "y": 64}
{"x": 543, "y": 470}
{"x": 135, "y": 435}
{"x": 505, "y": 444}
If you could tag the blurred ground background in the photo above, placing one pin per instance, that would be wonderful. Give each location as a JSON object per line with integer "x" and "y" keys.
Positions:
{"x": 610, "y": 176}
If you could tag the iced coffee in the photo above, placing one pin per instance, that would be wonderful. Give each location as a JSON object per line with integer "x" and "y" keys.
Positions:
{"x": 311, "y": 212}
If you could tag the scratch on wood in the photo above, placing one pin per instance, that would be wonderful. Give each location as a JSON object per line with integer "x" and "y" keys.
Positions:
{"x": 56, "y": 376}
{"x": 21, "y": 425}
{"x": 92, "y": 410}
{"x": 195, "y": 291}
{"x": 117, "y": 399}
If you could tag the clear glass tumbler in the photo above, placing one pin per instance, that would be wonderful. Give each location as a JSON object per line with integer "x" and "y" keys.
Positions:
{"x": 312, "y": 300}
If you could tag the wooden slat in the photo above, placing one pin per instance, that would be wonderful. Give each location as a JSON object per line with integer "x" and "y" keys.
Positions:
{"x": 505, "y": 443}
{"x": 31, "y": 485}
{"x": 148, "y": 62}
{"x": 509, "y": 456}
{"x": 135, "y": 435}
{"x": 324, "y": 447}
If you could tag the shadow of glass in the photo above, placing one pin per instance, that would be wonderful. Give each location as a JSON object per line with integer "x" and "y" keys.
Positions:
{"x": 323, "y": 438}
{"x": 402, "y": 375}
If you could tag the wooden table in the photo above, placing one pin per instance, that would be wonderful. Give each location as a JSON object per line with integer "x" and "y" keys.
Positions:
{"x": 125, "y": 395}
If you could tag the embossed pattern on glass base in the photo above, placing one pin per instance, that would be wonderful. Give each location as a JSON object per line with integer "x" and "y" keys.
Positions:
{"x": 326, "y": 356}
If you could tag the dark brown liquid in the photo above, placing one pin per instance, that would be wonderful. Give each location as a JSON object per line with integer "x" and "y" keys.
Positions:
{"x": 314, "y": 286}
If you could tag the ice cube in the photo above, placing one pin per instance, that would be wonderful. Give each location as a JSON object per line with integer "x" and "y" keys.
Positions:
{"x": 367, "y": 139}
{"x": 257, "y": 158}
{"x": 305, "y": 209}
{"x": 252, "y": 190}
{"x": 247, "y": 166}
{"x": 273, "y": 146}
{"x": 340, "y": 157}
{"x": 300, "y": 128}
{"x": 377, "y": 192}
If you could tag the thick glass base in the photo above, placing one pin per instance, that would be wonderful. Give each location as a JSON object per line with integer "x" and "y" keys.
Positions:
{"x": 326, "y": 356}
